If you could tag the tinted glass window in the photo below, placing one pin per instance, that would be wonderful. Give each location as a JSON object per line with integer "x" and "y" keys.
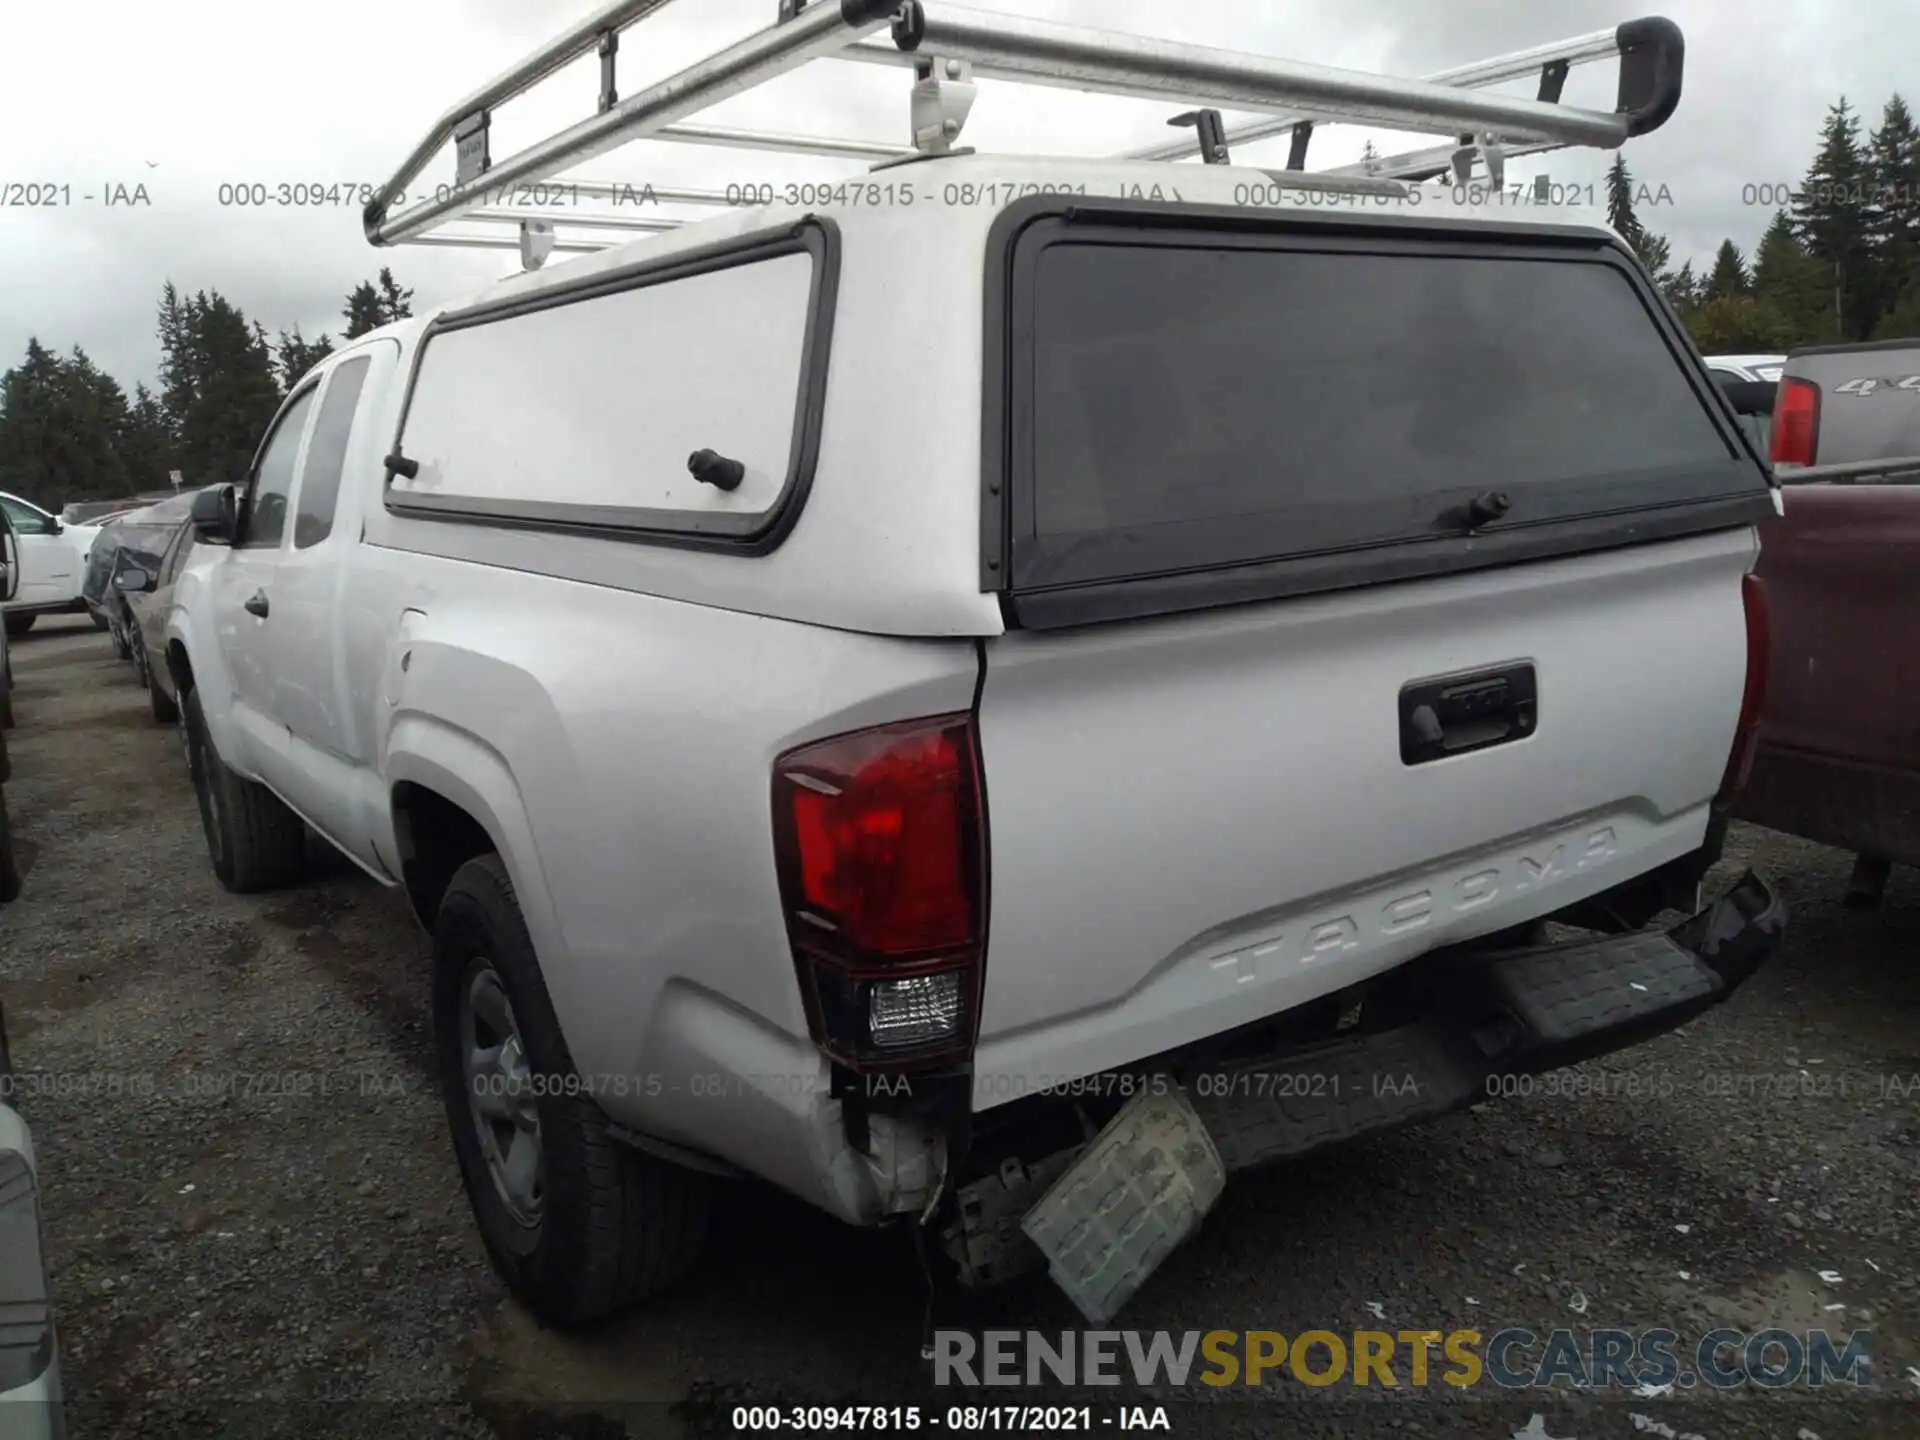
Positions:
{"x": 1195, "y": 406}
{"x": 177, "y": 555}
{"x": 25, "y": 519}
{"x": 327, "y": 454}
{"x": 266, "y": 522}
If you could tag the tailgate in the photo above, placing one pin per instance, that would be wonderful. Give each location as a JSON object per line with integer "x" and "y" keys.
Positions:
{"x": 1869, "y": 399}
{"x": 1369, "y": 595}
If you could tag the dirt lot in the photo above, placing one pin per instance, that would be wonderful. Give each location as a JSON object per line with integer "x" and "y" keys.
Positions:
{"x": 255, "y": 1222}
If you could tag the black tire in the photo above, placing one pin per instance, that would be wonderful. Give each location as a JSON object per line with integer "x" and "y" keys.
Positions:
{"x": 614, "y": 1225}
{"x": 20, "y": 624}
{"x": 9, "y": 868}
{"x": 164, "y": 709}
{"x": 99, "y": 621}
{"x": 122, "y": 637}
{"x": 137, "y": 653}
{"x": 254, "y": 842}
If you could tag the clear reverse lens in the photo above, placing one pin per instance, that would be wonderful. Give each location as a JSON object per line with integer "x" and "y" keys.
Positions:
{"x": 919, "y": 1011}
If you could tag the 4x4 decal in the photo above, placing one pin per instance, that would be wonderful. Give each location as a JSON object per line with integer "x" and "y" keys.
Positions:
{"x": 1867, "y": 385}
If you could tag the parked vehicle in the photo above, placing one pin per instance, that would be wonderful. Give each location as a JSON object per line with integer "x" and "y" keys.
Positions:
{"x": 1764, "y": 368}
{"x": 93, "y": 512}
{"x": 134, "y": 544}
{"x": 149, "y": 598}
{"x": 9, "y": 583}
{"x": 30, "y": 1395}
{"x": 832, "y": 740}
{"x": 1839, "y": 753}
{"x": 53, "y": 560}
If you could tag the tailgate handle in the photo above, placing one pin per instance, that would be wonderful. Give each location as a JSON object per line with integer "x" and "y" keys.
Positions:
{"x": 1458, "y": 714}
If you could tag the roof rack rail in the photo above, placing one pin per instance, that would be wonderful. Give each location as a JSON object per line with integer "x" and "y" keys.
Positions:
{"x": 946, "y": 47}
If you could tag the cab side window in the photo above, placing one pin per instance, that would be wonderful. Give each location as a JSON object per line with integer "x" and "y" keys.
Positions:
{"x": 327, "y": 453}
{"x": 266, "y": 521}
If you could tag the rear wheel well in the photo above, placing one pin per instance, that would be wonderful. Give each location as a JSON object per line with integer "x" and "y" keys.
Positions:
{"x": 179, "y": 667}
{"x": 436, "y": 838}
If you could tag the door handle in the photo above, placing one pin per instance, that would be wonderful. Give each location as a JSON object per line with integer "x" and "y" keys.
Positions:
{"x": 256, "y": 604}
{"x": 1461, "y": 713}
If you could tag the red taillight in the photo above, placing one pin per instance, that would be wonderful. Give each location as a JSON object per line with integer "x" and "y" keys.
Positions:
{"x": 880, "y": 845}
{"x": 1753, "y": 698}
{"x": 1796, "y": 421}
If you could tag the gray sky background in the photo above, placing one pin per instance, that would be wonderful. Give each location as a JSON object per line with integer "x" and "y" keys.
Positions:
{"x": 184, "y": 97}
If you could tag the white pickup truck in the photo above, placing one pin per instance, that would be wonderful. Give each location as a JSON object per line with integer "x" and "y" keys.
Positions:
{"x": 860, "y": 695}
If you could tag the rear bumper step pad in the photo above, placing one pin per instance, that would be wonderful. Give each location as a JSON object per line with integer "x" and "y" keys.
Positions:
{"x": 1148, "y": 1179}
{"x": 1516, "y": 1012}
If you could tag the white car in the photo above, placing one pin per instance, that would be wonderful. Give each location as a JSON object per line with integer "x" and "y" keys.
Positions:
{"x": 1747, "y": 367}
{"x": 30, "y": 1397}
{"x": 53, "y": 564}
{"x": 862, "y": 693}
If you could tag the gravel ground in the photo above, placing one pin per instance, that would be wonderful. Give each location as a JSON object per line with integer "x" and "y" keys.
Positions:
{"x": 255, "y": 1223}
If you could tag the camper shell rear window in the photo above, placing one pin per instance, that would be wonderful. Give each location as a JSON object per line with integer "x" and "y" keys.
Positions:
{"x": 1197, "y": 409}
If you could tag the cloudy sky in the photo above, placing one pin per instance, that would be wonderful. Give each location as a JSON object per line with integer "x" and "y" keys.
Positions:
{"x": 182, "y": 98}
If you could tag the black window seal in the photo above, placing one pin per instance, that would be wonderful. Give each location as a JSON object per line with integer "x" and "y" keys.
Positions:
{"x": 244, "y": 509}
{"x": 1351, "y": 227}
{"x": 364, "y": 356}
{"x": 749, "y": 535}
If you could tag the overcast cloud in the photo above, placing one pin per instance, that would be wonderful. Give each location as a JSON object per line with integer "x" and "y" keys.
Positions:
{"x": 182, "y": 98}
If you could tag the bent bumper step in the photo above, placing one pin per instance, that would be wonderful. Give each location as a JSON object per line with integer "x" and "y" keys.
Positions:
{"x": 1111, "y": 1218}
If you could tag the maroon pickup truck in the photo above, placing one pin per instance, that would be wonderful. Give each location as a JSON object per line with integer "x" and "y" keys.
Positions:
{"x": 1839, "y": 752}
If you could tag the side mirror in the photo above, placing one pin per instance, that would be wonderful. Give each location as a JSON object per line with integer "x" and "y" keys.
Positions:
{"x": 134, "y": 581}
{"x": 213, "y": 516}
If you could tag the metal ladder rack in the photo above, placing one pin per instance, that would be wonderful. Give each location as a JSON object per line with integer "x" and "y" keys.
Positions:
{"x": 947, "y": 48}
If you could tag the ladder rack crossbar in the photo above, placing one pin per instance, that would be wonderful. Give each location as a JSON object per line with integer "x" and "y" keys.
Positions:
{"x": 947, "y": 46}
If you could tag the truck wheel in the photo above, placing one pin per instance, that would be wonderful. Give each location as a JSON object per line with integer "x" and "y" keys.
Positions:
{"x": 9, "y": 869}
{"x": 20, "y": 624}
{"x": 164, "y": 708}
{"x": 577, "y": 1224}
{"x": 254, "y": 842}
{"x": 125, "y": 635}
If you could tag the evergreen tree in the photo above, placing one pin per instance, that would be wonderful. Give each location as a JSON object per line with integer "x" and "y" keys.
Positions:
{"x": 1893, "y": 214}
{"x": 1787, "y": 282}
{"x": 395, "y": 303}
{"x": 1831, "y": 216}
{"x": 296, "y": 356}
{"x": 1681, "y": 287}
{"x": 1729, "y": 276}
{"x": 372, "y": 304}
{"x": 235, "y": 391}
{"x": 59, "y": 422}
{"x": 148, "y": 450}
{"x": 1901, "y": 321}
{"x": 1620, "y": 201}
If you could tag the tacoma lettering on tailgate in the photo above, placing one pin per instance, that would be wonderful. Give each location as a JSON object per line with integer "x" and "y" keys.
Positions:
{"x": 1411, "y": 910}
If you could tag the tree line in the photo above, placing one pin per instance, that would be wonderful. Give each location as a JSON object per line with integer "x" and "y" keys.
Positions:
{"x": 1840, "y": 262}
{"x": 69, "y": 431}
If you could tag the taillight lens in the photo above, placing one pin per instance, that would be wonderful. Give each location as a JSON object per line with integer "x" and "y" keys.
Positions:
{"x": 880, "y": 846}
{"x": 1753, "y": 698}
{"x": 1796, "y": 421}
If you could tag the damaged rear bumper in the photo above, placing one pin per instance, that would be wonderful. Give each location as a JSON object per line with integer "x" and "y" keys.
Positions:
{"x": 1490, "y": 1016}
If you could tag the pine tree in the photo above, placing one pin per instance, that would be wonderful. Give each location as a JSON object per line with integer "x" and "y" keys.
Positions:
{"x": 395, "y": 303}
{"x": 1788, "y": 283}
{"x": 1831, "y": 217}
{"x": 1620, "y": 201}
{"x": 62, "y": 423}
{"x": 177, "y": 376}
{"x": 236, "y": 391}
{"x": 1729, "y": 276}
{"x": 296, "y": 356}
{"x": 148, "y": 451}
{"x": 1893, "y": 216}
